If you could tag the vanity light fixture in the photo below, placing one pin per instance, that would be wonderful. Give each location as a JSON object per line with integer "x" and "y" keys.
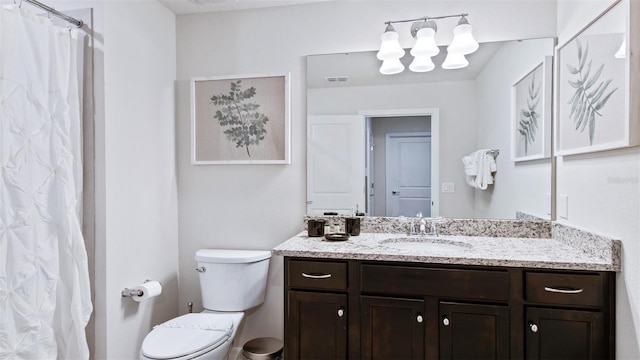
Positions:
{"x": 390, "y": 47}
{"x": 424, "y": 31}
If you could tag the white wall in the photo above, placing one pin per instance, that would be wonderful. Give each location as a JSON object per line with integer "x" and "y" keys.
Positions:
{"x": 604, "y": 196}
{"x": 530, "y": 181}
{"x": 137, "y": 236}
{"x": 259, "y": 206}
{"x": 458, "y": 124}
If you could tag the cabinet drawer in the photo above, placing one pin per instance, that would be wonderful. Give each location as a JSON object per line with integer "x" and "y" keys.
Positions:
{"x": 564, "y": 288}
{"x": 322, "y": 275}
{"x": 456, "y": 283}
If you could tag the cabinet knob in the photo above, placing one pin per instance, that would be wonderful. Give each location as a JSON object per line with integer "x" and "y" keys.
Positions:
{"x": 419, "y": 319}
{"x": 341, "y": 313}
{"x": 445, "y": 321}
{"x": 201, "y": 269}
{"x": 533, "y": 327}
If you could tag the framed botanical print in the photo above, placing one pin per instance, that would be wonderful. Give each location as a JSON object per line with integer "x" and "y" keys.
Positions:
{"x": 593, "y": 107}
{"x": 241, "y": 119}
{"x": 531, "y": 113}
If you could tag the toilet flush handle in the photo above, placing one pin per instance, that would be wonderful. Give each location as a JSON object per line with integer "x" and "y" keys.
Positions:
{"x": 201, "y": 269}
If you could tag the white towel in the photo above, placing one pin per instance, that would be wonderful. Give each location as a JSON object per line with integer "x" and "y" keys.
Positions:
{"x": 478, "y": 167}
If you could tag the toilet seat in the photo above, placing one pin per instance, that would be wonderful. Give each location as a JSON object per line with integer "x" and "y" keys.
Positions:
{"x": 187, "y": 336}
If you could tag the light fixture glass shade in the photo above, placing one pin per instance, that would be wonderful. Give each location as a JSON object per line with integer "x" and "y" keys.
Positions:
{"x": 422, "y": 64}
{"x": 622, "y": 52}
{"x": 454, "y": 61}
{"x": 463, "y": 41}
{"x": 391, "y": 66}
{"x": 390, "y": 47}
{"x": 425, "y": 43}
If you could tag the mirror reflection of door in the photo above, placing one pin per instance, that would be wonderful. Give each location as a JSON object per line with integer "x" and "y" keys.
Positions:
{"x": 407, "y": 157}
{"x": 335, "y": 164}
{"x": 408, "y": 174}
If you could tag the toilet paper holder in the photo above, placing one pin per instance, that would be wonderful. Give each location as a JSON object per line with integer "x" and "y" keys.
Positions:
{"x": 127, "y": 292}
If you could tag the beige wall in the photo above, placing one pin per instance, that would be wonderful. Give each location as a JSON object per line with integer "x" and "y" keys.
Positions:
{"x": 259, "y": 206}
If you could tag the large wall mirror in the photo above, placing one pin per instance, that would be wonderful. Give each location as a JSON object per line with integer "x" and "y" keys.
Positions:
{"x": 392, "y": 145}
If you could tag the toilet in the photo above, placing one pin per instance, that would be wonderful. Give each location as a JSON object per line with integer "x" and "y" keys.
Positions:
{"x": 231, "y": 281}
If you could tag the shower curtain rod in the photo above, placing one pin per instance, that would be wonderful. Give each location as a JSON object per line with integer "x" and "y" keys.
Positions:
{"x": 52, "y": 11}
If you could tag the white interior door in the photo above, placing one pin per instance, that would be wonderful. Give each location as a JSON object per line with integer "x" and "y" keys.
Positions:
{"x": 335, "y": 163}
{"x": 408, "y": 168}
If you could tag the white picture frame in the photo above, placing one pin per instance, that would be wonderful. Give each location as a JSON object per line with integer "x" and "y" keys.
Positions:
{"x": 241, "y": 119}
{"x": 597, "y": 62}
{"x": 531, "y": 113}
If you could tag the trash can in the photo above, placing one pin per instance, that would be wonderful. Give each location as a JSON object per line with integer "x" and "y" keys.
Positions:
{"x": 265, "y": 348}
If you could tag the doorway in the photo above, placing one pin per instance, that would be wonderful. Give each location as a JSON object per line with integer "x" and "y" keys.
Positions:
{"x": 413, "y": 143}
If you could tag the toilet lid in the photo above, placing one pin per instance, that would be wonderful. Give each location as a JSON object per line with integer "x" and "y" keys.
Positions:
{"x": 186, "y": 335}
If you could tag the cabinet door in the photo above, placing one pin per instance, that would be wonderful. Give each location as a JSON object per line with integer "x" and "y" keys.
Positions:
{"x": 316, "y": 326}
{"x": 471, "y": 331}
{"x": 391, "y": 328}
{"x": 564, "y": 334}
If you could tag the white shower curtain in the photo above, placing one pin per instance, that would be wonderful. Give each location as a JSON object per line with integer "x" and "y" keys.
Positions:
{"x": 45, "y": 300}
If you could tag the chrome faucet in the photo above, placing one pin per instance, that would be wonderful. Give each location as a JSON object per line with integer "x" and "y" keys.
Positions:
{"x": 434, "y": 229}
{"x": 434, "y": 226}
{"x": 412, "y": 228}
{"x": 412, "y": 224}
{"x": 423, "y": 225}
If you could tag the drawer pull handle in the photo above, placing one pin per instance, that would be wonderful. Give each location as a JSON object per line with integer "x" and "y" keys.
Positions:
{"x": 533, "y": 327}
{"x": 341, "y": 313}
{"x": 419, "y": 319}
{"x": 562, "y": 291}
{"x": 445, "y": 321}
{"x": 318, "y": 276}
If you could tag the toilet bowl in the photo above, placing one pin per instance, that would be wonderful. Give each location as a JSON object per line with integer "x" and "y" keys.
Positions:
{"x": 203, "y": 336}
{"x": 231, "y": 281}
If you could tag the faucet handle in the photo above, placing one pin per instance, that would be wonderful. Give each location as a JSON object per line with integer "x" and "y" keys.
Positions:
{"x": 419, "y": 214}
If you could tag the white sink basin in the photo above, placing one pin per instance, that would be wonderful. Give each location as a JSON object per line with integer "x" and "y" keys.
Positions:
{"x": 426, "y": 244}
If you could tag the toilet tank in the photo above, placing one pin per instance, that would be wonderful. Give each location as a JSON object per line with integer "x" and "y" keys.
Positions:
{"x": 232, "y": 280}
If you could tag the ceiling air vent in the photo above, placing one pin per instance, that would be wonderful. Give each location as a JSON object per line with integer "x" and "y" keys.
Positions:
{"x": 332, "y": 79}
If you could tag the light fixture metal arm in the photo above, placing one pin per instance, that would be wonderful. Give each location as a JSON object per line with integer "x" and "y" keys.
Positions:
{"x": 425, "y": 18}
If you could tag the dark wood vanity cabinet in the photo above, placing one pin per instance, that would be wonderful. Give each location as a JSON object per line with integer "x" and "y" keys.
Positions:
{"x": 391, "y": 328}
{"x": 473, "y": 331}
{"x": 569, "y": 315}
{"x": 316, "y": 329}
{"x": 338, "y": 309}
{"x": 316, "y": 309}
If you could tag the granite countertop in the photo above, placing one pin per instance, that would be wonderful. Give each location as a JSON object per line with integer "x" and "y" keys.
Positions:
{"x": 540, "y": 253}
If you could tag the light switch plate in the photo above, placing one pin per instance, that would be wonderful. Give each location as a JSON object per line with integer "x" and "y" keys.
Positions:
{"x": 448, "y": 187}
{"x": 563, "y": 206}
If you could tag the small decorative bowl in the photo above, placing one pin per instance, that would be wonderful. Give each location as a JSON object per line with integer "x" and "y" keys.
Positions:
{"x": 336, "y": 237}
